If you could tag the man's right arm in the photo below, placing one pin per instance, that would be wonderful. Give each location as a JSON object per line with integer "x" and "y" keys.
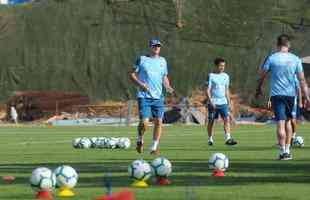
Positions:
{"x": 208, "y": 91}
{"x": 134, "y": 77}
{"x": 260, "y": 83}
{"x": 303, "y": 86}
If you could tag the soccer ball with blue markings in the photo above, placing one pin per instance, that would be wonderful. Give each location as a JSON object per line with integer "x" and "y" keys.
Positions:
{"x": 102, "y": 142}
{"x": 161, "y": 167}
{"x": 66, "y": 176}
{"x": 124, "y": 143}
{"x": 218, "y": 161}
{"x": 94, "y": 142}
{"x": 76, "y": 143}
{"x": 85, "y": 143}
{"x": 112, "y": 143}
{"x": 139, "y": 170}
{"x": 42, "y": 179}
{"x": 298, "y": 141}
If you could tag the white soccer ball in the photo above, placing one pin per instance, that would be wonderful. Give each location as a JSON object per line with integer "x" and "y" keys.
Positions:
{"x": 94, "y": 142}
{"x": 139, "y": 170}
{"x": 76, "y": 143}
{"x": 298, "y": 141}
{"x": 124, "y": 143}
{"x": 161, "y": 167}
{"x": 66, "y": 176}
{"x": 102, "y": 142}
{"x": 42, "y": 179}
{"x": 85, "y": 143}
{"x": 218, "y": 161}
{"x": 112, "y": 143}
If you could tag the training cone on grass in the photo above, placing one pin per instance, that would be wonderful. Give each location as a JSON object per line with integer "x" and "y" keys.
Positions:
{"x": 123, "y": 195}
{"x": 65, "y": 192}
{"x": 8, "y": 179}
{"x": 218, "y": 173}
{"x": 139, "y": 184}
{"x": 46, "y": 195}
{"x": 163, "y": 181}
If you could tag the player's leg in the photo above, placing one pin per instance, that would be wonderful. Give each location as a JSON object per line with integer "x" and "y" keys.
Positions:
{"x": 294, "y": 128}
{"x": 224, "y": 112}
{"x": 144, "y": 114}
{"x": 281, "y": 138}
{"x": 278, "y": 106}
{"x": 288, "y": 138}
{"x": 294, "y": 119}
{"x": 157, "y": 109}
{"x": 156, "y": 135}
{"x": 289, "y": 106}
{"x": 212, "y": 115}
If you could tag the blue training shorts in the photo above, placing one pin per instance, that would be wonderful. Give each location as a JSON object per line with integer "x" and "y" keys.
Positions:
{"x": 151, "y": 108}
{"x": 213, "y": 113}
{"x": 282, "y": 107}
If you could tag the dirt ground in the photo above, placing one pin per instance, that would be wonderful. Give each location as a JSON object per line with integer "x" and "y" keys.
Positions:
{"x": 120, "y": 109}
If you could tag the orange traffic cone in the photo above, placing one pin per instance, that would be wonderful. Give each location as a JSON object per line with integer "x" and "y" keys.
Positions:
{"x": 44, "y": 195}
{"x": 163, "y": 181}
{"x": 218, "y": 173}
{"x": 123, "y": 195}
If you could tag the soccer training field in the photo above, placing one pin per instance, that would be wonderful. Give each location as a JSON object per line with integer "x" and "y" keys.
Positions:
{"x": 253, "y": 174}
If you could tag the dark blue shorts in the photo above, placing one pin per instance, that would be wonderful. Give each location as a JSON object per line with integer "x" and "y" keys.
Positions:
{"x": 222, "y": 110}
{"x": 150, "y": 108}
{"x": 282, "y": 107}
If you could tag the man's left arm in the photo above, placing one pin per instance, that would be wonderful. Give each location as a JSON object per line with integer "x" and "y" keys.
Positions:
{"x": 167, "y": 85}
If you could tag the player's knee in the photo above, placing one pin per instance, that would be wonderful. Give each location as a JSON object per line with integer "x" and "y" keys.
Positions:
{"x": 143, "y": 125}
{"x": 157, "y": 122}
{"x": 226, "y": 120}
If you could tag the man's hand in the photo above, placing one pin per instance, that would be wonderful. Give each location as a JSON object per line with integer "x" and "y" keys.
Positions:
{"x": 170, "y": 90}
{"x": 269, "y": 104}
{"x": 144, "y": 87}
{"x": 212, "y": 105}
{"x": 307, "y": 103}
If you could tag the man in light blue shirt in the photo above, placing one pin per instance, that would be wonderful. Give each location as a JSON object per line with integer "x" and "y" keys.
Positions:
{"x": 218, "y": 101}
{"x": 283, "y": 67}
{"x": 150, "y": 75}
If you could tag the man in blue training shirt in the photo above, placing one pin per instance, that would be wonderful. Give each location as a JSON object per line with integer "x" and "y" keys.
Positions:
{"x": 150, "y": 75}
{"x": 218, "y": 101}
{"x": 283, "y": 67}
{"x": 296, "y": 108}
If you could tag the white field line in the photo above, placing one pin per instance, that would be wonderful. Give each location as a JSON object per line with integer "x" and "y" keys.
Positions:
{"x": 43, "y": 142}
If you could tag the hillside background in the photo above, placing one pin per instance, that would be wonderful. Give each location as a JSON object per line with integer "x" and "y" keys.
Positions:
{"x": 89, "y": 45}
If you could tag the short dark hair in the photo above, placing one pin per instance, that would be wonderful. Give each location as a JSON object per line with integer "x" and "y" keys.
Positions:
{"x": 283, "y": 40}
{"x": 217, "y": 61}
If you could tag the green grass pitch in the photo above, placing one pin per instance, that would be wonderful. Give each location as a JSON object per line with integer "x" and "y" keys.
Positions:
{"x": 254, "y": 172}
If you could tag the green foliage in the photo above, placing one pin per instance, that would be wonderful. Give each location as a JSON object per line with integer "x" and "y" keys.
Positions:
{"x": 78, "y": 45}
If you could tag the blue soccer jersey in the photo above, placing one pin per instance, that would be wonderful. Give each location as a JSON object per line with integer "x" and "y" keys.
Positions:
{"x": 218, "y": 83}
{"x": 283, "y": 68}
{"x": 151, "y": 71}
